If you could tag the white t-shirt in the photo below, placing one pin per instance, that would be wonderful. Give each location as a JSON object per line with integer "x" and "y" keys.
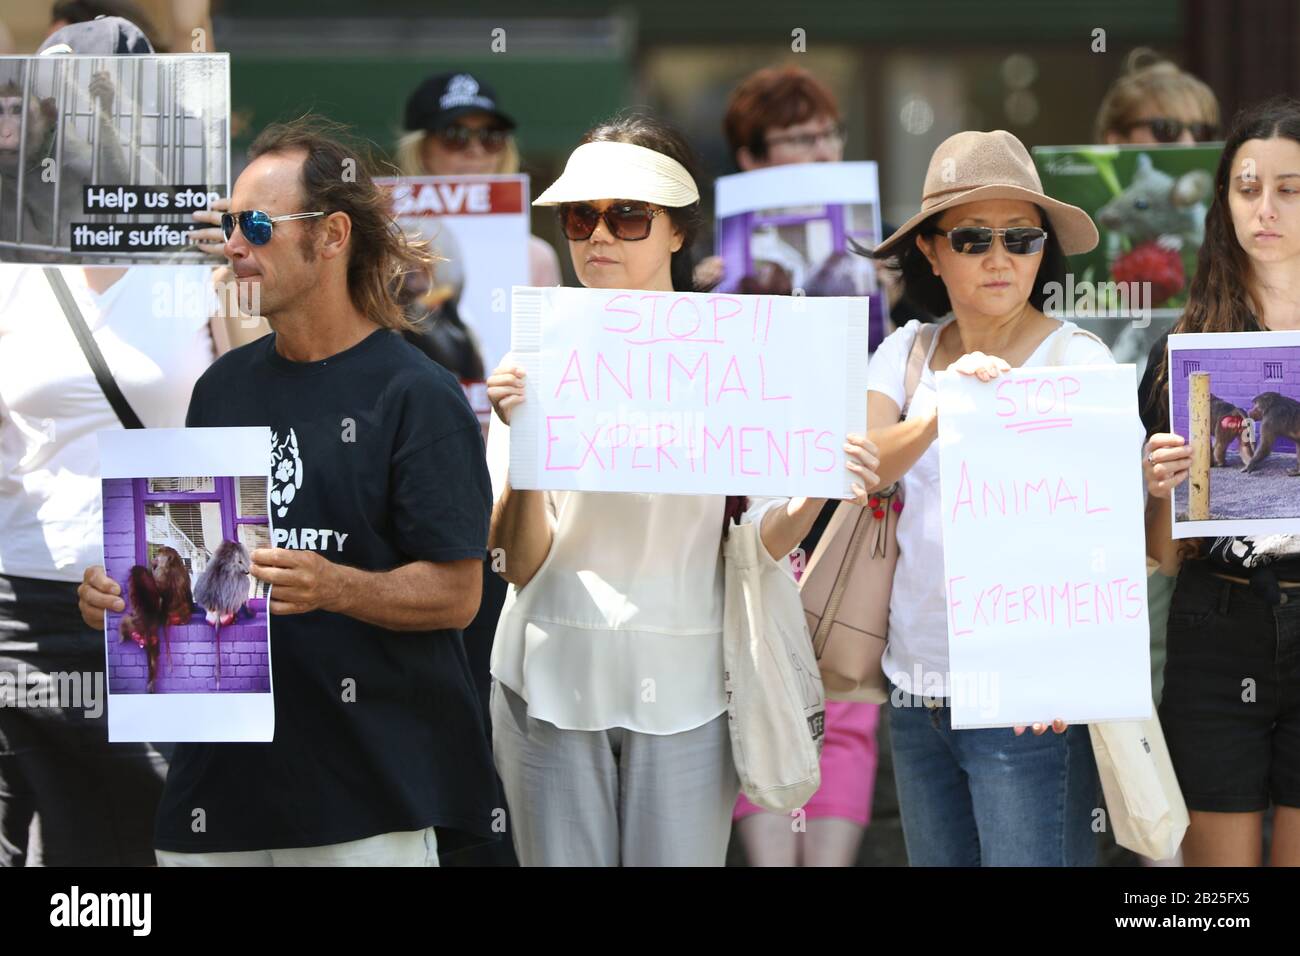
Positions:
{"x": 152, "y": 327}
{"x": 918, "y": 622}
{"x": 621, "y": 626}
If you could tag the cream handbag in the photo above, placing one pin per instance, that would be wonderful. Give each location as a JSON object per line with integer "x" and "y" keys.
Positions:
{"x": 1143, "y": 799}
{"x": 1145, "y": 804}
{"x": 776, "y": 708}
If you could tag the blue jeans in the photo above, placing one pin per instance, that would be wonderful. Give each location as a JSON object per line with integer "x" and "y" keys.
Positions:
{"x": 988, "y": 797}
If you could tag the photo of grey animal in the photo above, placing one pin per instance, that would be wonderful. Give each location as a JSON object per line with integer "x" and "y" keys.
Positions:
{"x": 1278, "y": 417}
{"x": 222, "y": 589}
{"x": 1158, "y": 206}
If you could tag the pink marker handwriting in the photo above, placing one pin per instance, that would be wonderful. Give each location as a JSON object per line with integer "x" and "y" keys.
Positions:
{"x": 1066, "y": 602}
{"x": 1035, "y": 402}
{"x": 1044, "y": 496}
{"x": 733, "y": 450}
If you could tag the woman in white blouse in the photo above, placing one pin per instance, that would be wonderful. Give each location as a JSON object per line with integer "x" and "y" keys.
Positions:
{"x": 608, "y": 713}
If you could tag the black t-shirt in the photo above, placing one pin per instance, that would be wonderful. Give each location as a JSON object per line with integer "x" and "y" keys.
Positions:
{"x": 393, "y": 471}
{"x": 1238, "y": 556}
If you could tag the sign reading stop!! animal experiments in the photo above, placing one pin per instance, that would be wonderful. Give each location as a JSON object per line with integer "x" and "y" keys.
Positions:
{"x": 687, "y": 393}
{"x": 1044, "y": 554}
{"x": 1236, "y": 398}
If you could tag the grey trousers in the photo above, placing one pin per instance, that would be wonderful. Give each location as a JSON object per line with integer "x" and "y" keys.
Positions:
{"x": 613, "y": 797}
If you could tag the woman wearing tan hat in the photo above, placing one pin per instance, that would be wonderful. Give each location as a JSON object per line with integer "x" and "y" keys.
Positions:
{"x": 981, "y": 252}
{"x": 614, "y": 593}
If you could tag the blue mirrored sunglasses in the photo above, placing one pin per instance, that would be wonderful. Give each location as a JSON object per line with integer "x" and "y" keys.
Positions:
{"x": 256, "y": 225}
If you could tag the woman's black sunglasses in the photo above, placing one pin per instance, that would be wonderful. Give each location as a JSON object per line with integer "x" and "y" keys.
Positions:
{"x": 977, "y": 240}
{"x": 256, "y": 225}
{"x": 629, "y": 221}
{"x": 1165, "y": 130}
{"x": 457, "y": 138}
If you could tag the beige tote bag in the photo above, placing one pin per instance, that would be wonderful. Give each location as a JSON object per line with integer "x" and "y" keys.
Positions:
{"x": 1145, "y": 804}
{"x": 776, "y": 708}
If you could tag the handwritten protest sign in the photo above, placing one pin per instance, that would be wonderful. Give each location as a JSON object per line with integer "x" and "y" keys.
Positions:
{"x": 687, "y": 393}
{"x": 1043, "y": 548}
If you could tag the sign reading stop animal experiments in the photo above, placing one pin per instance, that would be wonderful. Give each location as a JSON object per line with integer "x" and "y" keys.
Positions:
{"x": 1043, "y": 550}
{"x": 687, "y": 393}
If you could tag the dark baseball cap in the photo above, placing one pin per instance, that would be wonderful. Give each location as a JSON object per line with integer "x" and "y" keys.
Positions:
{"x": 441, "y": 100}
{"x": 102, "y": 36}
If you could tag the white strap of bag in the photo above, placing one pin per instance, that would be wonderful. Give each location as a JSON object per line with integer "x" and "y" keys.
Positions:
{"x": 1057, "y": 354}
{"x": 916, "y": 360}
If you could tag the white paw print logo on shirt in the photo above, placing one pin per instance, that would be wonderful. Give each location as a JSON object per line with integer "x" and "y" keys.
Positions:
{"x": 286, "y": 472}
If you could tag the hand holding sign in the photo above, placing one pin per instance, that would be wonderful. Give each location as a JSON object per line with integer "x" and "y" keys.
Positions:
{"x": 211, "y": 240}
{"x": 862, "y": 458}
{"x": 1058, "y": 727}
{"x": 505, "y": 388}
{"x": 983, "y": 367}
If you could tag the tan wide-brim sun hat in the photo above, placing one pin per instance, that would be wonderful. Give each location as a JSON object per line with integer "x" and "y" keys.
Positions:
{"x": 974, "y": 166}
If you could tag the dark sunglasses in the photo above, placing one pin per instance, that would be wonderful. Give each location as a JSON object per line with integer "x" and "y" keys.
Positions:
{"x": 1168, "y": 130}
{"x": 256, "y": 225}
{"x": 458, "y": 138}
{"x": 977, "y": 240}
{"x": 629, "y": 221}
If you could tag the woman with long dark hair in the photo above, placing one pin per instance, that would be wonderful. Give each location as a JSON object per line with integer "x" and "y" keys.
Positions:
{"x": 1234, "y": 616}
{"x": 611, "y": 591}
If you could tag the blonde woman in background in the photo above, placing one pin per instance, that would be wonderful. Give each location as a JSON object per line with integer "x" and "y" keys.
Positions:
{"x": 455, "y": 128}
{"x": 1153, "y": 101}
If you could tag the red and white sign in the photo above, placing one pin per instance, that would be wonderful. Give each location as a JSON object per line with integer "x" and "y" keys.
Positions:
{"x": 479, "y": 228}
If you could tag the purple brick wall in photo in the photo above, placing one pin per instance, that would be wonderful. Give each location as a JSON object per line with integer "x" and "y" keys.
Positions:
{"x": 245, "y": 654}
{"x": 1237, "y": 376}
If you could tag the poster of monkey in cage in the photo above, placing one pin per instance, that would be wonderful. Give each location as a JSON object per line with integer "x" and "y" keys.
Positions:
{"x": 103, "y": 159}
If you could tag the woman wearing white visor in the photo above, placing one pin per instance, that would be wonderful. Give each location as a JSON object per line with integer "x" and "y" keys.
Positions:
{"x": 616, "y": 593}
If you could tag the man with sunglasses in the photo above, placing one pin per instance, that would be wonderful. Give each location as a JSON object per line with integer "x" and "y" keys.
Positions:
{"x": 380, "y": 502}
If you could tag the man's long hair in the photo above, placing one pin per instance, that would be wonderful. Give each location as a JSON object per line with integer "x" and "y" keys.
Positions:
{"x": 336, "y": 177}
